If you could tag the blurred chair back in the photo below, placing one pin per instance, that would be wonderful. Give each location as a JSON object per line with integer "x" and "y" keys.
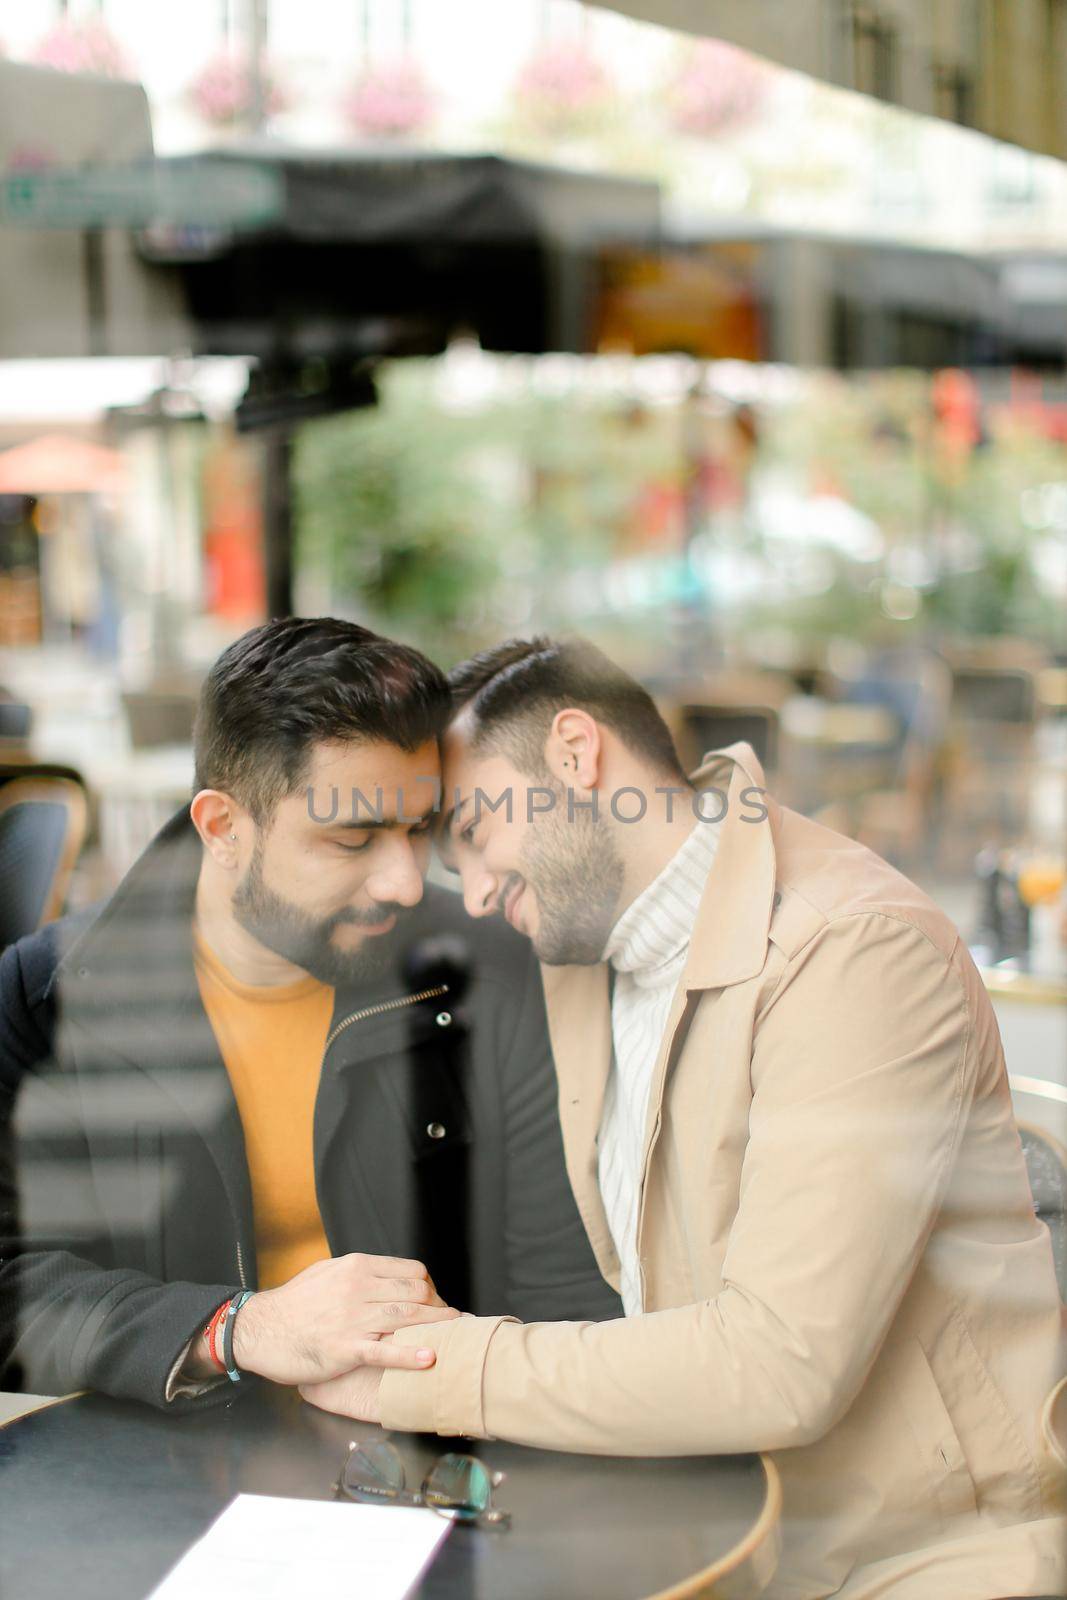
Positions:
{"x": 16, "y": 720}
{"x": 1054, "y": 1438}
{"x": 157, "y": 718}
{"x": 1046, "y": 1167}
{"x": 988, "y": 781}
{"x": 710, "y": 727}
{"x": 42, "y": 826}
{"x": 17, "y": 764}
{"x": 896, "y": 819}
{"x": 994, "y": 694}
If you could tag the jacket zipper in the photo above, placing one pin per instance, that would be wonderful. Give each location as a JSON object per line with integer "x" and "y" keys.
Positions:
{"x": 346, "y": 1022}
{"x": 385, "y": 1005}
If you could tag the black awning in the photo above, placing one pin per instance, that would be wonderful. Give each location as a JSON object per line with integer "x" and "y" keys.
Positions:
{"x": 392, "y": 252}
{"x": 406, "y": 196}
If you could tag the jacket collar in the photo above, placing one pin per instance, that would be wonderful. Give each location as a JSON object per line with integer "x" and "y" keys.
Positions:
{"x": 578, "y": 1002}
{"x": 729, "y": 941}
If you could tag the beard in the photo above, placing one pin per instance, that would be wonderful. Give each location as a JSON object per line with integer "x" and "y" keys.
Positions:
{"x": 576, "y": 873}
{"x": 307, "y": 941}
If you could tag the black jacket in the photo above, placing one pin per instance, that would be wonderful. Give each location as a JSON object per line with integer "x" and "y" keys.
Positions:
{"x": 125, "y": 1200}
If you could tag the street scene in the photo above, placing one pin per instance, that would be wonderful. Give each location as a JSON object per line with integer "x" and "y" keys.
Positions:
{"x": 616, "y": 395}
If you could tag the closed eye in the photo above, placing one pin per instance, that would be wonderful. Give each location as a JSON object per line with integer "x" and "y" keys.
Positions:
{"x": 419, "y": 831}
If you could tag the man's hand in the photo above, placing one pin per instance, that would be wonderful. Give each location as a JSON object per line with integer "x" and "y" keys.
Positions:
{"x": 333, "y": 1317}
{"x": 354, "y": 1394}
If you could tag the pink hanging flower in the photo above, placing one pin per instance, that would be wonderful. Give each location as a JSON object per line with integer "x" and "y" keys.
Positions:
{"x": 29, "y": 157}
{"x": 390, "y": 100}
{"x": 563, "y": 88}
{"x": 222, "y": 92}
{"x": 83, "y": 46}
{"x": 716, "y": 87}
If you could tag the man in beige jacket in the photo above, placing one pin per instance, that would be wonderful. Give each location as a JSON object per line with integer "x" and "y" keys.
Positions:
{"x": 788, "y": 1127}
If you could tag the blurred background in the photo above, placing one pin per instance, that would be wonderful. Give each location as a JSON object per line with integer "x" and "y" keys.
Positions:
{"x": 733, "y": 336}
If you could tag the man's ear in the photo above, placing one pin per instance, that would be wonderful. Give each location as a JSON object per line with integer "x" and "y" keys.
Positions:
{"x": 221, "y": 824}
{"x": 574, "y": 749}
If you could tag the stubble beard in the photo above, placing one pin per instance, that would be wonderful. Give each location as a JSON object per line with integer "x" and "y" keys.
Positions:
{"x": 576, "y": 873}
{"x": 306, "y": 941}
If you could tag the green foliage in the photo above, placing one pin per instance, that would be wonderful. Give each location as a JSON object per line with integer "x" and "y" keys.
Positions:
{"x": 875, "y": 442}
{"x": 450, "y": 528}
{"x": 453, "y": 526}
{"x": 388, "y": 518}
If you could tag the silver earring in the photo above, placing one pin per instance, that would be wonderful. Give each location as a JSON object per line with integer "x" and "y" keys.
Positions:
{"x": 233, "y": 836}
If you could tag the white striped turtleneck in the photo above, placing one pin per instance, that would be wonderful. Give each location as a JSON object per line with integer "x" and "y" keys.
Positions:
{"x": 647, "y": 948}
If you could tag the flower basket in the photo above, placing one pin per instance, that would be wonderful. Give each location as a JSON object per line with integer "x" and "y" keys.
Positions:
{"x": 222, "y": 92}
{"x": 83, "y": 46}
{"x": 563, "y": 90}
{"x": 390, "y": 101}
{"x": 715, "y": 89}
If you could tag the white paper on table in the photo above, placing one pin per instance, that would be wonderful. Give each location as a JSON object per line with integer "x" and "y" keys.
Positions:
{"x": 264, "y": 1547}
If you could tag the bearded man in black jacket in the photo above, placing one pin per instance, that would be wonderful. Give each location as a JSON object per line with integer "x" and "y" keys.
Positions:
{"x": 275, "y": 1061}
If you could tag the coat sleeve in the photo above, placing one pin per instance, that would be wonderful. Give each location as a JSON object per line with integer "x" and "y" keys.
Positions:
{"x": 70, "y": 1318}
{"x": 552, "y": 1272}
{"x": 859, "y": 1090}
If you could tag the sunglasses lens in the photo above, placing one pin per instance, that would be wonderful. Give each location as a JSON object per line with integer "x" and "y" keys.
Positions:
{"x": 374, "y": 1472}
{"x": 459, "y": 1486}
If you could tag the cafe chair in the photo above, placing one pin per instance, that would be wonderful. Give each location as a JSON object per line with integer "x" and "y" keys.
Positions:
{"x": 1054, "y": 1444}
{"x": 897, "y": 821}
{"x": 18, "y": 764}
{"x": 712, "y": 727}
{"x": 723, "y": 706}
{"x": 1046, "y": 1167}
{"x": 42, "y": 828}
{"x": 159, "y": 717}
{"x": 992, "y": 755}
{"x": 1054, "y": 1433}
{"x": 15, "y": 720}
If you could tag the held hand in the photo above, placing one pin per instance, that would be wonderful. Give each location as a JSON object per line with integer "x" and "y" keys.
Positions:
{"x": 334, "y": 1316}
{"x": 354, "y": 1394}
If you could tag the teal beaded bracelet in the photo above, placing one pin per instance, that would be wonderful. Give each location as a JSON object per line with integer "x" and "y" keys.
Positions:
{"x": 227, "y": 1334}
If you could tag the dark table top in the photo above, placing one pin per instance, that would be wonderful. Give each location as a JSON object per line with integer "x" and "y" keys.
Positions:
{"x": 99, "y": 1498}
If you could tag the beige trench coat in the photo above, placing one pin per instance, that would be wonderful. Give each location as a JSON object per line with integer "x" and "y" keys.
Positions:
{"x": 840, "y": 1259}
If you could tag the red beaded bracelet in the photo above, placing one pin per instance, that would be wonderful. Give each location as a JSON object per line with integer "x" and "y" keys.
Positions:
{"x": 210, "y": 1332}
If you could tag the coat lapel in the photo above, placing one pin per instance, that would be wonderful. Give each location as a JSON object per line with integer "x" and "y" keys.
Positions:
{"x": 729, "y": 940}
{"x": 579, "y": 1023}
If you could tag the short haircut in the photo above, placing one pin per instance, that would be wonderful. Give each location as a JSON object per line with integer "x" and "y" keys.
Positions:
{"x": 515, "y": 689}
{"x": 297, "y": 682}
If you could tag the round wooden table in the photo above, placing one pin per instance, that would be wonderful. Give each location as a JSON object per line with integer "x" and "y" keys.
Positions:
{"x": 99, "y": 1498}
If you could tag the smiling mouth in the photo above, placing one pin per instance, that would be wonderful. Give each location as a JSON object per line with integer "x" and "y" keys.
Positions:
{"x": 512, "y": 901}
{"x": 373, "y": 929}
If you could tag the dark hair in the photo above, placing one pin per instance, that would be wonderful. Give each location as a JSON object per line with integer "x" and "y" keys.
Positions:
{"x": 301, "y": 681}
{"x": 515, "y": 689}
